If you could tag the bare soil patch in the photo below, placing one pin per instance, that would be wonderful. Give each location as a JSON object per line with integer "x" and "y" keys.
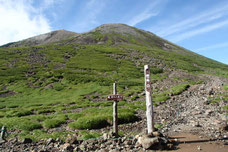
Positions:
{"x": 193, "y": 143}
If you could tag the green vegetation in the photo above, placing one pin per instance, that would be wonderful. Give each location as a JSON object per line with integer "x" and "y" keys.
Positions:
{"x": 89, "y": 135}
{"x": 226, "y": 87}
{"x": 55, "y": 122}
{"x": 220, "y": 97}
{"x": 179, "y": 89}
{"x": 89, "y": 123}
{"x": 160, "y": 97}
{"x": 94, "y": 118}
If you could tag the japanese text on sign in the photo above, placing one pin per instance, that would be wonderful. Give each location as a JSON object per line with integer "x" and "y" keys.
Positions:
{"x": 116, "y": 97}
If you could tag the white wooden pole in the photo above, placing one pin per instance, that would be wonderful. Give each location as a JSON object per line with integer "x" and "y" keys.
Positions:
{"x": 149, "y": 102}
{"x": 115, "y": 112}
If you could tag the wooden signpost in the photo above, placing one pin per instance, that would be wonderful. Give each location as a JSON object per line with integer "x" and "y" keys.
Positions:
{"x": 149, "y": 102}
{"x": 116, "y": 97}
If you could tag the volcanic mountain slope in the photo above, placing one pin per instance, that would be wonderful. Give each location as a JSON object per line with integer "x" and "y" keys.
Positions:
{"x": 42, "y": 39}
{"x": 55, "y": 83}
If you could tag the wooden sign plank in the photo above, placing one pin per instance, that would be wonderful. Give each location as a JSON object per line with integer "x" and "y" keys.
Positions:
{"x": 116, "y": 97}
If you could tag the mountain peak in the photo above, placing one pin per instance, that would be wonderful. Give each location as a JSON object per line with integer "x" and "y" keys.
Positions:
{"x": 116, "y": 28}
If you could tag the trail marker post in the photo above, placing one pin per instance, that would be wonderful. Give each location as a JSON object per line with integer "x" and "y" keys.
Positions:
{"x": 3, "y": 133}
{"x": 116, "y": 97}
{"x": 149, "y": 102}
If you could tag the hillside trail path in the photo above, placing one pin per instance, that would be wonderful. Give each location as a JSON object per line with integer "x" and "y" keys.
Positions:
{"x": 190, "y": 118}
{"x": 194, "y": 122}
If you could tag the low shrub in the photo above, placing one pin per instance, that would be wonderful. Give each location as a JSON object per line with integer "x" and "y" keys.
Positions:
{"x": 134, "y": 97}
{"x": 158, "y": 126}
{"x": 155, "y": 70}
{"x": 45, "y": 111}
{"x": 28, "y": 125}
{"x": 127, "y": 117}
{"x": 226, "y": 87}
{"x": 38, "y": 118}
{"x": 58, "y": 86}
{"x": 176, "y": 90}
{"x": 160, "y": 97}
{"x": 55, "y": 122}
{"x": 89, "y": 123}
{"x": 23, "y": 113}
{"x": 2, "y": 107}
{"x": 13, "y": 106}
{"x": 90, "y": 135}
{"x": 75, "y": 115}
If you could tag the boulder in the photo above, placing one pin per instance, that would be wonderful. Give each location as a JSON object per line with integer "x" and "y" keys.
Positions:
{"x": 148, "y": 142}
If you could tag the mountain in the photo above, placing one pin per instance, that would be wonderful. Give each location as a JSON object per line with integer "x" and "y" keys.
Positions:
{"x": 42, "y": 39}
{"x": 57, "y": 82}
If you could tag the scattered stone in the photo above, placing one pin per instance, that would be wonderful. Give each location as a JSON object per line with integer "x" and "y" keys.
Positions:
{"x": 199, "y": 148}
{"x": 66, "y": 147}
{"x": 197, "y": 124}
{"x": 157, "y": 134}
{"x": 224, "y": 127}
{"x": 50, "y": 140}
{"x": 27, "y": 141}
{"x": 72, "y": 139}
{"x": 208, "y": 112}
{"x": 106, "y": 136}
{"x": 211, "y": 92}
{"x": 170, "y": 146}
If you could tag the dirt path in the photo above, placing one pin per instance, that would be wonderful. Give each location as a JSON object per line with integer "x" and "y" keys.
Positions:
{"x": 191, "y": 111}
{"x": 192, "y": 143}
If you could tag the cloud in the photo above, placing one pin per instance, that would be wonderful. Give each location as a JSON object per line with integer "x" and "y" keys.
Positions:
{"x": 20, "y": 20}
{"x": 204, "y": 17}
{"x": 190, "y": 27}
{"x": 151, "y": 10}
{"x": 215, "y": 46}
{"x": 198, "y": 31}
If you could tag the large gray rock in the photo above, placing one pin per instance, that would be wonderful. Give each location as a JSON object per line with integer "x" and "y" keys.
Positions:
{"x": 148, "y": 142}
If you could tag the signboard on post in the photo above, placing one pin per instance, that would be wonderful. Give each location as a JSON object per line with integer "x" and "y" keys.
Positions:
{"x": 149, "y": 103}
{"x": 115, "y": 97}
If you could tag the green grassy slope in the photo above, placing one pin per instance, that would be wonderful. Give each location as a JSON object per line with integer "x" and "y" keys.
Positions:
{"x": 65, "y": 83}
